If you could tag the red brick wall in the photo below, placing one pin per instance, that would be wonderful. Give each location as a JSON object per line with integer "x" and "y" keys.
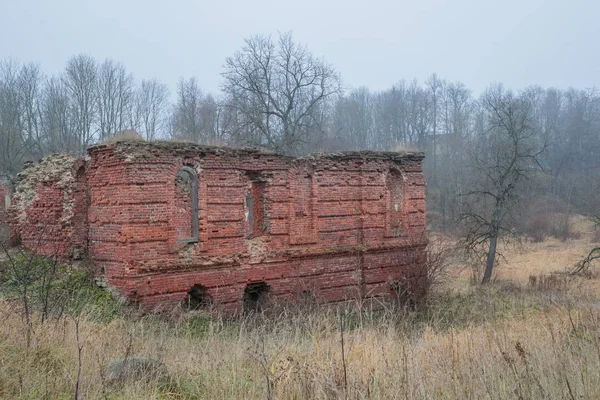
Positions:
{"x": 48, "y": 210}
{"x": 330, "y": 225}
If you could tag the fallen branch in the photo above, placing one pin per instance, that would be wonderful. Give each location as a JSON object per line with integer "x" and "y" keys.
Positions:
{"x": 583, "y": 265}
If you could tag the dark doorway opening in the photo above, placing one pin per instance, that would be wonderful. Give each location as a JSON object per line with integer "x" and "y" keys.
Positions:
{"x": 256, "y": 297}
{"x": 197, "y": 299}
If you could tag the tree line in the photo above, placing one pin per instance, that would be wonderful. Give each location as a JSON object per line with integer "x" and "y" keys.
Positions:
{"x": 276, "y": 94}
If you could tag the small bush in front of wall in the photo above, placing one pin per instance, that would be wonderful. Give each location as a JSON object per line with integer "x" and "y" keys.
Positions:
{"x": 42, "y": 285}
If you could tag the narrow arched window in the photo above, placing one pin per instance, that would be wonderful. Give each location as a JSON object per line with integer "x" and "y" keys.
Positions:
{"x": 186, "y": 205}
{"x": 395, "y": 208}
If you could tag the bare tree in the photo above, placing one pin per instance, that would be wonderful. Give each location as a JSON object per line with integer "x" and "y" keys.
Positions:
{"x": 114, "y": 97}
{"x": 12, "y": 146}
{"x": 457, "y": 119}
{"x": 210, "y": 111}
{"x": 434, "y": 85}
{"x": 390, "y": 115}
{"x": 186, "y": 124}
{"x": 353, "y": 119}
{"x": 277, "y": 88}
{"x": 57, "y": 126}
{"x": 152, "y": 105}
{"x": 30, "y": 81}
{"x": 81, "y": 78}
{"x": 501, "y": 161}
{"x": 416, "y": 115}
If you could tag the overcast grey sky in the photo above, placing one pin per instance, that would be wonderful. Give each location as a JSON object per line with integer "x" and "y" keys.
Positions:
{"x": 373, "y": 43}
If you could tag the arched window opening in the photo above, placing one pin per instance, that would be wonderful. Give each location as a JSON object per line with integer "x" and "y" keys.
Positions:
{"x": 197, "y": 299}
{"x": 395, "y": 206}
{"x": 186, "y": 205}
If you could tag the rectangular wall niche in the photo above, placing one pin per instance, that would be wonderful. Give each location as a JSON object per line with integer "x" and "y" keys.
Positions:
{"x": 303, "y": 224}
{"x": 256, "y": 216}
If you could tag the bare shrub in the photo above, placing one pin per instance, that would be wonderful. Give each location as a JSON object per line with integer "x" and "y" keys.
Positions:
{"x": 559, "y": 227}
{"x": 537, "y": 228}
{"x": 551, "y": 282}
{"x": 440, "y": 252}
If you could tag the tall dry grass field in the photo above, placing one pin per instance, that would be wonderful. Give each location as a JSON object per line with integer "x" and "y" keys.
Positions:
{"x": 510, "y": 340}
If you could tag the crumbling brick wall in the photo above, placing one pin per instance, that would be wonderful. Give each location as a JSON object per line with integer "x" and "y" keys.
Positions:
{"x": 332, "y": 226}
{"x": 163, "y": 222}
{"x": 48, "y": 210}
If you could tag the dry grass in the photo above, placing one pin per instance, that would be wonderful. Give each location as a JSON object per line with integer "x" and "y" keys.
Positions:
{"x": 505, "y": 341}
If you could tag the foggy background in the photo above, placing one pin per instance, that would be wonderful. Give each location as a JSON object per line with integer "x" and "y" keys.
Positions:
{"x": 373, "y": 44}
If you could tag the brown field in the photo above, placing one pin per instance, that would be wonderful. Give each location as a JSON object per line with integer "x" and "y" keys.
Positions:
{"x": 509, "y": 340}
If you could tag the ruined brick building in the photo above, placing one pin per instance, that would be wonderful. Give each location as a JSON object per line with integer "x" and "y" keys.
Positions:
{"x": 163, "y": 222}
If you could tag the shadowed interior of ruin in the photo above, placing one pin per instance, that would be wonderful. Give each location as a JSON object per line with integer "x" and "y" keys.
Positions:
{"x": 256, "y": 296}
